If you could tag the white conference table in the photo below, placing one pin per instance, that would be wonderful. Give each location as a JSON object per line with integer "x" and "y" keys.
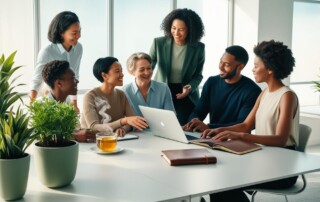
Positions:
{"x": 139, "y": 173}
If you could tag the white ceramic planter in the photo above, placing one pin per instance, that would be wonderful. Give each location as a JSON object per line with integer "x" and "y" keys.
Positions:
{"x": 56, "y": 166}
{"x": 14, "y": 175}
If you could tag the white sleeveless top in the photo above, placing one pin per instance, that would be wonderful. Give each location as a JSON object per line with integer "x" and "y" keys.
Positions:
{"x": 267, "y": 115}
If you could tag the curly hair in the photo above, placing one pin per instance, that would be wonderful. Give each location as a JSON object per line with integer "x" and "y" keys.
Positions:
{"x": 277, "y": 57}
{"x": 131, "y": 62}
{"x": 192, "y": 21}
{"x": 59, "y": 24}
{"x": 54, "y": 70}
{"x": 103, "y": 65}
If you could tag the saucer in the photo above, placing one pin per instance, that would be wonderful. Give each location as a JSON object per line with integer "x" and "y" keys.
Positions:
{"x": 98, "y": 151}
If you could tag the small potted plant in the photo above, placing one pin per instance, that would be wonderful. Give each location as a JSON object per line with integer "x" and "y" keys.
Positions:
{"x": 56, "y": 154}
{"x": 15, "y": 135}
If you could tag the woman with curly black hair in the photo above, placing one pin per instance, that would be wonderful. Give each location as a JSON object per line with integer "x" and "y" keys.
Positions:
{"x": 275, "y": 115}
{"x": 180, "y": 56}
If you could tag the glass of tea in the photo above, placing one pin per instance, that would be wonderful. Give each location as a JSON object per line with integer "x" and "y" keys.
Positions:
{"x": 107, "y": 141}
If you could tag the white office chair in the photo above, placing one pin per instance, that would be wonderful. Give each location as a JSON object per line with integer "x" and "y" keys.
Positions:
{"x": 299, "y": 186}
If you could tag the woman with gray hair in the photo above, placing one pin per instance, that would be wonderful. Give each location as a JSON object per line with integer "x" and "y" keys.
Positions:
{"x": 144, "y": 91}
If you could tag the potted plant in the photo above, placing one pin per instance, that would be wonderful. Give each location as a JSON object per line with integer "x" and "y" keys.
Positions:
{"x": 15, "y": 135}
{"x": 56, "y": 154}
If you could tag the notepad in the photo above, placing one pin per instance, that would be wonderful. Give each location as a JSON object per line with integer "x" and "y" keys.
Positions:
{"x": 233, "y": 146}
{"x": 188, "y": 156}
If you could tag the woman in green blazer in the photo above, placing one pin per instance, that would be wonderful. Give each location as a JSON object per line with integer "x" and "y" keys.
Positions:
{"x": 180, "y": 56}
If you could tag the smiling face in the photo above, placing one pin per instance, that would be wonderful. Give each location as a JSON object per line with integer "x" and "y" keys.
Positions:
{"x": 71, "y": 35}
{"x": 229, "y": 66}
{"x": 179, "y": 31}
{"x": 260, "y": 72}
{"x": 68, "y": 84}
{"x": 143, "y": 71}
{"x": 115, "y": 76}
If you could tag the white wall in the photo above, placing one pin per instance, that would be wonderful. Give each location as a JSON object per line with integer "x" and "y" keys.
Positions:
{"x": 246, "y": 15}
{"x": 16, "y": 17}
{"x": 258, "y": 20}
{"x": 275, "y": 20}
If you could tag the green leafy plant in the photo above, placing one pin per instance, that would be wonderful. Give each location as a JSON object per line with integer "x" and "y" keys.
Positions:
{"x": 15, "y": 133}
{"x": 7, "y": 94}
{"x": 317, "y": 86}
{"x": 54, "y": 122}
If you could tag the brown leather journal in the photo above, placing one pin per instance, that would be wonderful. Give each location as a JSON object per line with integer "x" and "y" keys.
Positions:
{"x": 188, "y": 156}
{"x": 233, "y": 146}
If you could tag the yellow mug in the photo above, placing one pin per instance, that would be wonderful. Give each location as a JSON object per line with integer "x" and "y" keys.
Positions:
{"x": 106, "y": 142}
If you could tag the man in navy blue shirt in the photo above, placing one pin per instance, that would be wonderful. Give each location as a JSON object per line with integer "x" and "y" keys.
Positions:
{"x": 227, "y": 97}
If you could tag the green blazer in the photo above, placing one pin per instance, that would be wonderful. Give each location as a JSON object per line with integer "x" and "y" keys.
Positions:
{"x": 161, "y": 55}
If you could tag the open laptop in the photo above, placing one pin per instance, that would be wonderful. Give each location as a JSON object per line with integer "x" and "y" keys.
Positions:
{"x": 164, "y": 123}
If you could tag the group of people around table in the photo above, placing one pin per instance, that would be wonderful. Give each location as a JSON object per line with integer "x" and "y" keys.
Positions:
{"x": 235, "y": 104}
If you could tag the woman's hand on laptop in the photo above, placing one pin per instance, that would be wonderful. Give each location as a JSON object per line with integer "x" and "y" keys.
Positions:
{"x": 209, "y": 133}
{"x": 195, "y": 125}
{"x": 229, "y": 135}
{"x": 136, "y": 121}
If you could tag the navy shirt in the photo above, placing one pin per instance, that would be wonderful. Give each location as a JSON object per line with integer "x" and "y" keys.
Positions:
{"x": 227, "y": 104}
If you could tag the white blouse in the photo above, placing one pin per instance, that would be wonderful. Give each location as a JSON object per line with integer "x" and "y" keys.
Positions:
{"x": 56, "y": 52}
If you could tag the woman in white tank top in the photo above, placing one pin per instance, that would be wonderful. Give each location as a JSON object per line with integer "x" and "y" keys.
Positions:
{"x": 275, "y": 115}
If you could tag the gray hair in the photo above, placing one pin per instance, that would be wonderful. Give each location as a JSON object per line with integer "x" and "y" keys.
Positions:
{"x": 131, "y": 62}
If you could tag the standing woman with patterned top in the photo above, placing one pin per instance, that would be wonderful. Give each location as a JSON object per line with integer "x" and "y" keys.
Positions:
{"x": 180, "y": 56}
{"x": 64, "y": 33}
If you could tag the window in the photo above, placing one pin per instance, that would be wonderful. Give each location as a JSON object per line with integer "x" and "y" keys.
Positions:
{"x": 132, "y": 31}
{"x": 136, "y": 23}
{"x": 306, "y": 49}
{"x": 16, "y": 34}
{"x": 93, "y": 21}
{"x": 214, "y": 14}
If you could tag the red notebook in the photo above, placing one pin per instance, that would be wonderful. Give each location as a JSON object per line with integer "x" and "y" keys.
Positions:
{"x": 188, "y": 156}
{"x": 233, "y": 146}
